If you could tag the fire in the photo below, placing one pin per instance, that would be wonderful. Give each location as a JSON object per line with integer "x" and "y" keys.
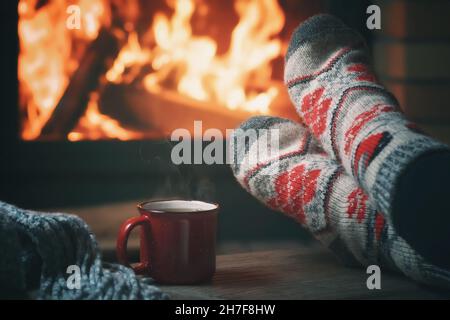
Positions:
{"x": 42, "y": 35}
{"x": 231, "y": 80}
{"x": 177, "y": 60}
{"x": 46, "y": 61}
{"x": 94, "y": 125}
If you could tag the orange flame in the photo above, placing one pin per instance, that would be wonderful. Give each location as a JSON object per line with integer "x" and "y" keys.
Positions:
{"x": 42, "y": 35}
{"x": 45, "y": 60}
{"x": 94, "y": 126}
{"x": 224, "y": 79}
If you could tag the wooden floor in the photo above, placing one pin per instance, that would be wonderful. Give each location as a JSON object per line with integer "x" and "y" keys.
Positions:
{"x": 302, "y": 273}
{"x": 282, "y": 270}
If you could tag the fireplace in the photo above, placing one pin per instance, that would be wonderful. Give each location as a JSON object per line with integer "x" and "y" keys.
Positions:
{"x": 88, "y": 111}
{"x": 117, "y": 73}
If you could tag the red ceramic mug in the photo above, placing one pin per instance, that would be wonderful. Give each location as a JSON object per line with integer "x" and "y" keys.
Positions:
{"x": 178, "y": 240}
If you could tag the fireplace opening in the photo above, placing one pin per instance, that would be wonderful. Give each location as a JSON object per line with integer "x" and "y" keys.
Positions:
{"x": 130, "y": 70}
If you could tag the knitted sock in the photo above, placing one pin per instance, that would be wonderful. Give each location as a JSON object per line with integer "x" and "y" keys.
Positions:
{"x": 359, "y": 124}
{"x": 303, "y": 182}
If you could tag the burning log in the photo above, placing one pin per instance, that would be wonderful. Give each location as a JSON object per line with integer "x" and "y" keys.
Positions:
{"x": 167, "y": 110}
{"x": 84, "y": 80}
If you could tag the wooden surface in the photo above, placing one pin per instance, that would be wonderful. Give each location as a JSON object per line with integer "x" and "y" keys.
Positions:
{"x": 263, "y": 270}
{"x": 303, "y": 273}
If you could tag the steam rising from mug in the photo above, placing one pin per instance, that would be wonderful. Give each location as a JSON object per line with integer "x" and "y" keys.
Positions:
{"x": 175, "y": 181}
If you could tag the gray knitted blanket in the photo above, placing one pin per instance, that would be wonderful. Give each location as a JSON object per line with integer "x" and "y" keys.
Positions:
{"x": 55, "y": 256}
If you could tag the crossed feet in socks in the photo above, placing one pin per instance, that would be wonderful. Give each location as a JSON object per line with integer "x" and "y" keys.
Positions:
{"x": 360, "y": 176}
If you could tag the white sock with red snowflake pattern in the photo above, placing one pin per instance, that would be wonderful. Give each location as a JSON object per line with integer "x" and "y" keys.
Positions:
{"x": 360, "y": 125}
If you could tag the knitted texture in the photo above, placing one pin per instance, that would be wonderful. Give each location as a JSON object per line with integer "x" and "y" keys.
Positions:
{"x": 354, "y": 118}
{"x": 37, "y": 249}
{"x": 302, "y": 181}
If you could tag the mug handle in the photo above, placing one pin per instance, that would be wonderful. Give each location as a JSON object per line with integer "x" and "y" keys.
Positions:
{"x": 122, "y": 242}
